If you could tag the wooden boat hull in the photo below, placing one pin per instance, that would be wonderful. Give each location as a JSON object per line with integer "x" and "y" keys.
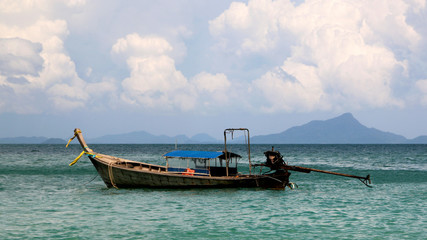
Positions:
{"x": 121, "y": 176}
{"x": 123, "y": 173}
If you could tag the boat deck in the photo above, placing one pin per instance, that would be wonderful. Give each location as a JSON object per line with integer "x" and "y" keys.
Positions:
{"x": 129, "y": 164}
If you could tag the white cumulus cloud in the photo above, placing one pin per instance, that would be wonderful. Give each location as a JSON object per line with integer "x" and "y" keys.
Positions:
{"x": 344, "y": 54}
{"x": 154, "y": 81}
{"x": 19, "y": 56}
{"x": 249, "y": 28}
{"x": 213, "y": 89}
{"x": 144, "y": 47}
{"x": 36, "y": 72}
{"x": 36, "y": 54}
{"x": 269, "y": 55}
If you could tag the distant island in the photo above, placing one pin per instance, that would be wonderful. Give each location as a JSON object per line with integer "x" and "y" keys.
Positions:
{"x": 344, "y": 129}
{"x": 32, "y": 140}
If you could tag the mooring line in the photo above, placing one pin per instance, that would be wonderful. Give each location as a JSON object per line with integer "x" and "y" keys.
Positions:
{"x": 91, "y": 179}
{"x": 110, "y": 174}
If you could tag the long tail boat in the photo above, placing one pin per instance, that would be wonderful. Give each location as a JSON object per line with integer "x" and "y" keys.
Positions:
{"x": 194, "y": 169}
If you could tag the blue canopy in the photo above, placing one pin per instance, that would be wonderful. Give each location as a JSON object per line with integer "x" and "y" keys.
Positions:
{"x": 193, "y": 154}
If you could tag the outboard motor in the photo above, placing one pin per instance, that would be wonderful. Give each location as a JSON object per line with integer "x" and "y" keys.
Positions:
{"x": 274, "y": 159}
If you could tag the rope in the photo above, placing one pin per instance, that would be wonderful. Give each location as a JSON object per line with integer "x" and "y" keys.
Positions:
{"x": 110, "y": 174}
{"x": 91, "y": 180}
{"x": 274, "y": 178}
{"x": 71, "y": 139}
{"x": 81, "y": 154}
{"x": 85, "y": 151}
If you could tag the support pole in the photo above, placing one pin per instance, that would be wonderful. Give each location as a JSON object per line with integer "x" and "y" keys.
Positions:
{"x": 231, "y": 130}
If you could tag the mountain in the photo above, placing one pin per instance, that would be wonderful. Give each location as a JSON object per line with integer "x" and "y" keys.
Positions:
{"x": 23, "y": 140}
{"x": 32, "y": 140}
{"x": 142, "y": 137}
{"x": 344, "y": 129}
{"x": 55, "y": 141}
{"x": 139, "y": 137}
{"x": 418, "y": 140}
{"x": 203, "y": 138}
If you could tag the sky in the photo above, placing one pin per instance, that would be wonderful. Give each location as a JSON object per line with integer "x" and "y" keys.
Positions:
{"x": 189, "y": 67}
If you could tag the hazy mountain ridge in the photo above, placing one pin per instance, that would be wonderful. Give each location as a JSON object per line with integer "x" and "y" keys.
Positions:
{"x": 419, "y": 140}
{"x": 344, "y": 129}
{"x": 143, "y": 137}
{"x": 32, "y": 140}
{"x": 23, "y": 140}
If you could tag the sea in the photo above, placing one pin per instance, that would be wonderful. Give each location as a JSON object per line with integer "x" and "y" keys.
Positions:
{"x": 42, "y": 197}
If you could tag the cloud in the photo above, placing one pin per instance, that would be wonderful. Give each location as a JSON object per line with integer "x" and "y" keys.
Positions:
{"x": 211, "y": 83}
{"x": 35, "y": 53}
{"x": 212, "y": 89}
{"x": 422, "y": 87}
{"x": 154, "y": 81}
{"x": 36, "y": 73}
{"x": 249, "y": 28}
{"x": 344, "y": 54}
{"x": 75, "y": 3}
{"x": 266, "y": 55}
{"x": 19, "y": 56}
{"x": 389, "y": 26}
{"x": 143, "y": 47}
{"x": 292, "y": 87}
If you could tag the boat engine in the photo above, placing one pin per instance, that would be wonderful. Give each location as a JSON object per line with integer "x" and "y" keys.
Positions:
{"x": 274, "y": 160}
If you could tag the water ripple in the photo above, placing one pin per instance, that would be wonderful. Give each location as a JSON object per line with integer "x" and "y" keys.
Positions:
{"x": 41, "y": 197}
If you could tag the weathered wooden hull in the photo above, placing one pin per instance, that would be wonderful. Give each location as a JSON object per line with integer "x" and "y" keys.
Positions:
{"x": 121, "y": 176}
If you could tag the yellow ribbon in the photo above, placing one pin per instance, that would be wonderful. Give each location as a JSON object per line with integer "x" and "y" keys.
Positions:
{"x": 71, "y": 139}
{"x": 77, "y": 158}
{"x": 81, "y": 154}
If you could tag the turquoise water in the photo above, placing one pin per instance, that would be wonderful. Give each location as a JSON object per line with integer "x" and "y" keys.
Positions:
{"x": 43, "y": 198}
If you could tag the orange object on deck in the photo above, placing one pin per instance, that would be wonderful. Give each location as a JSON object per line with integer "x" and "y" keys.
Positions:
{"x": 189, "y": 171}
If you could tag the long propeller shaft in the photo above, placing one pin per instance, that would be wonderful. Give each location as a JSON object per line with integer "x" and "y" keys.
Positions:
{"x": 364, "y": 180}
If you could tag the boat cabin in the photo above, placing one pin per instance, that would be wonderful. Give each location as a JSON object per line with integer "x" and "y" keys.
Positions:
{"x": 202, "y": 163}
